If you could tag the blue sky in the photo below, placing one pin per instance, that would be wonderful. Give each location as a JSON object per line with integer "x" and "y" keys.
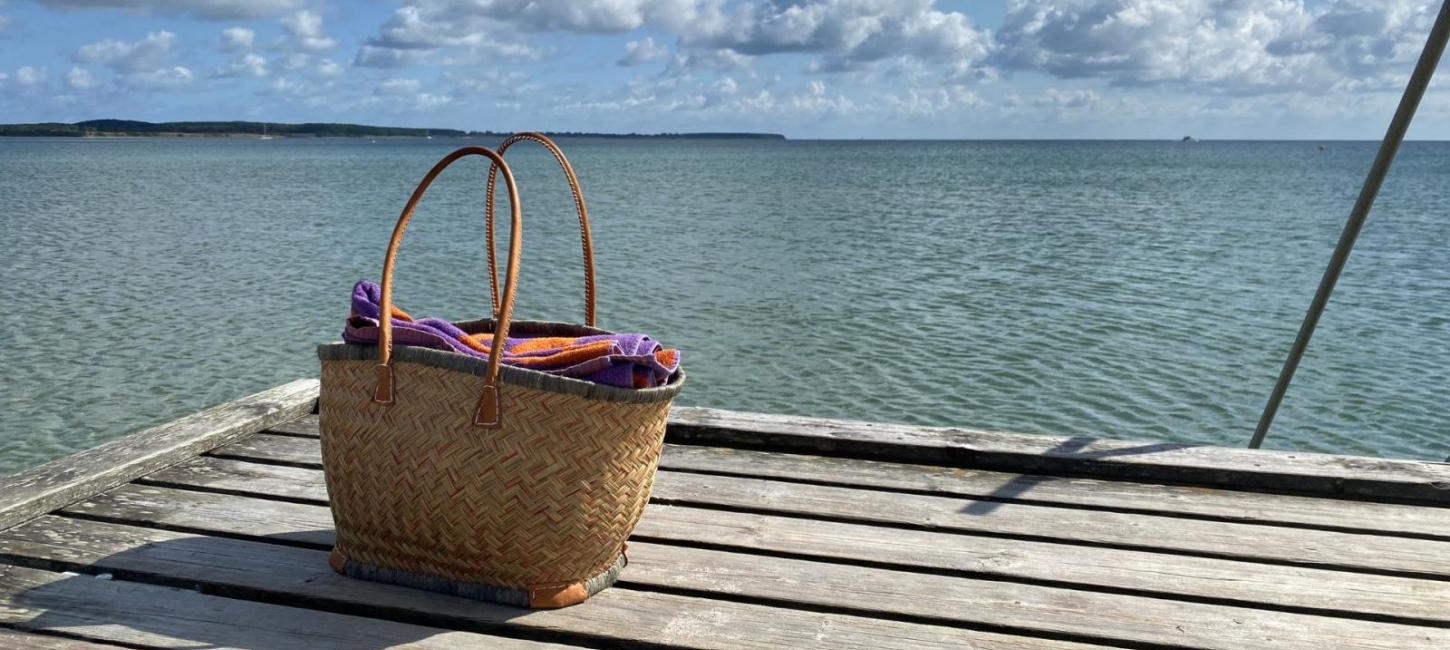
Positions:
{"x": 812, "y": 68}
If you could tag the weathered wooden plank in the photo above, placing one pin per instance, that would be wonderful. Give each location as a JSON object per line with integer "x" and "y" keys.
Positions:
{"x": 73, "y": 478}
{"x": 1292, "y": 472}
{"x": 1047, "y": 609}
{"x": 143, "y": 615}
{"x": 307, "y": 426}
{"x": 16, "y": 639}
{"x": 1042, "y": 610}
{"x": 262, "y": 571}
{"x": 1312, "y": 548}
{"x": 1406, "y": 556}
{"x": 1167, "y": 576}
{"x": 1123, "y": 496}
{"x": 269, "y": 446}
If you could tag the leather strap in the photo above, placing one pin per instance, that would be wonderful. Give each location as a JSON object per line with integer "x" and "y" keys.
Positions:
{"x": 487, "y": 414}
{"x": 583, "y": 212}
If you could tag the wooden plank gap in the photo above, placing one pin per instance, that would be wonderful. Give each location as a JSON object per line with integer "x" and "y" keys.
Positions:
{"x": 191, "y": 487}
{"x": 13, "y": 637}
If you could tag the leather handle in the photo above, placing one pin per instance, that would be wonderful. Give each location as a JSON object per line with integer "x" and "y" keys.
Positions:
{"x": 487, "y": 413}
{"x": 579, "y": 207}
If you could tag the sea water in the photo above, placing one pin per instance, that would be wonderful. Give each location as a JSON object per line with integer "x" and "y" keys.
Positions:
{"x": 1144, "y": 290}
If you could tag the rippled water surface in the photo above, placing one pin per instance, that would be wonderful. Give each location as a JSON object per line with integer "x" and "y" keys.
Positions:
{"x": 1144, "y": 290}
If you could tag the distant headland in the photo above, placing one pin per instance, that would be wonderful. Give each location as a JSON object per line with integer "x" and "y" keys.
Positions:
{"x": 133, "y": 128}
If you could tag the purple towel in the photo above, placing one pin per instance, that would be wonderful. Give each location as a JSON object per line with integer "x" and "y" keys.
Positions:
{"x": 624, "y": 360}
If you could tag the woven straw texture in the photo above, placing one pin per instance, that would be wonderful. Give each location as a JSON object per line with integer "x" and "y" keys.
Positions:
{"x": 464, "y": 476}
{"x": 548, "y": 497}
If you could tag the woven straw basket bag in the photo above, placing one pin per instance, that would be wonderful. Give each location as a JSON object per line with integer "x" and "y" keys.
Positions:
{"x": 469, "y": 477}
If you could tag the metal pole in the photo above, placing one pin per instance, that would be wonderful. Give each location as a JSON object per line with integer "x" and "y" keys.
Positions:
{"x": 1419, "y": 79}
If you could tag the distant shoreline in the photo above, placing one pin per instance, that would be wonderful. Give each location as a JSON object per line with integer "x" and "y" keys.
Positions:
{"x": 260, "y": 130}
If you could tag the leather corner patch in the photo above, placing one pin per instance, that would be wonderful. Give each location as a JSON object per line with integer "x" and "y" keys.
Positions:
{"x": 556, "y": 596}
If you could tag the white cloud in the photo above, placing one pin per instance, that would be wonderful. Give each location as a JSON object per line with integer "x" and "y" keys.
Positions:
{"x": 915, "y": 103}
{"x": 1235, "y": 46}
{"x": 809, "y": 102}
{"x": 314, "y": 92}
{"x": 1068, "y": 99}
{"x": 485, "y": 51}
{"x": 717, "y": 60}
{"x": 329, "y": 68}
{"x": 296, "y": 61}
{"x": 398, "y": 87}
{"x": 244, "y": 62}
{"x": 847, "y": 34}
{"x": 208, "y": 9}
{"x": 305, "y": 28}
{"x": 428, "y": 101}
{"x": 372, "y": 56}
{"x": 81, "y": 79}
{"x": 237, "y": 39}
{"x": 905, "y": 66}
{"x": 642, "y": 51}
{"x": 129, "y": 57}
{"x": 305, "y": 41}
{"x": 27, "y": 76}
{"x": 608, "y": 16}
{"x": 494, "y": 84}
{"x": 417, "y": 27}
{"x": 289, "y": 86}
{"x": 813, "y": 102}
{"x": 415, "y": 31}
{"x": 4, "y": 22}
{"x": 297, "y": 88}
{"x": 409, "y": 29}
{"x": 246, "y": 65}
{"x": 138, "y": 64}
{"x": 406, "y": 93}
{"x": 165, "y": 78}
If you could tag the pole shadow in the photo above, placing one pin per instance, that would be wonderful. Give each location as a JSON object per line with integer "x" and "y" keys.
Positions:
{"x": 1069, "y": 449}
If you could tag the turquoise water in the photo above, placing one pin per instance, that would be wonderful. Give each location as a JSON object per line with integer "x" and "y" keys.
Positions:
{"x": 1122, "y": 289}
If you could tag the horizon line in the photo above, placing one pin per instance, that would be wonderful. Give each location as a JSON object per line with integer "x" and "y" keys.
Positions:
{"x": 559, "y": 133}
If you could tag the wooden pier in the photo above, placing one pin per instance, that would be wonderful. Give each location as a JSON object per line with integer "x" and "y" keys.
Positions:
{"x": 764, "y": 532}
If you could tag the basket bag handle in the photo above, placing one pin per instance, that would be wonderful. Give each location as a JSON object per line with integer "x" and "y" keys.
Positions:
{"x": 487, "y": 414}
{"x": 583, "y": 212}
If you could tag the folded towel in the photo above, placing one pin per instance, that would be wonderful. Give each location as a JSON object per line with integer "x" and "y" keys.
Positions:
{"x": 625, "y": 360}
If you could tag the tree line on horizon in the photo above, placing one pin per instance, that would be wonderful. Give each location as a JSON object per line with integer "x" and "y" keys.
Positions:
{"x": 308, "y": 129}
